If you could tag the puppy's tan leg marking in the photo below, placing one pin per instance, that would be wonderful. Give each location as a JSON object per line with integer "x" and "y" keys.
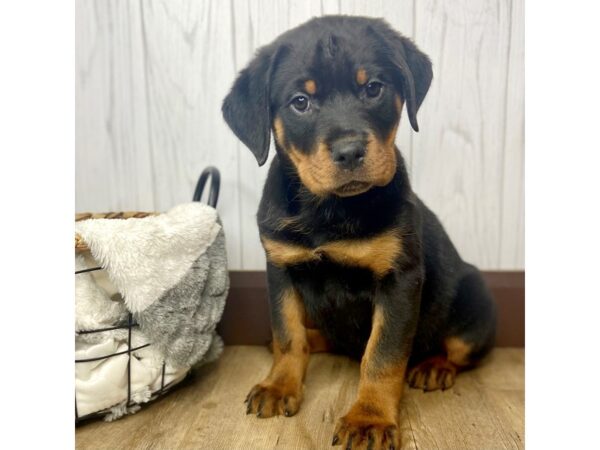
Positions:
{"x": 280, "y": 393}
{"x": 458, "y": 351}
{"x": 439, "y": 372}
{"x": 316, "y": 341}
{"x": 374, "y": 416}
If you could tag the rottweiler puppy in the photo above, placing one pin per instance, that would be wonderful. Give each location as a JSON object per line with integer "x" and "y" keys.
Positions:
{"x": 356, "y": 263}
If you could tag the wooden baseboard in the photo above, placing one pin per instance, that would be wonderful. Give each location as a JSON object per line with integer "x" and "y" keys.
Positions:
{"x": 246, "y": 316}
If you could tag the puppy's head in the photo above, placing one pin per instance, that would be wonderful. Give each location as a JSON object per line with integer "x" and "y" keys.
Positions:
{"x": 332, "y": 90}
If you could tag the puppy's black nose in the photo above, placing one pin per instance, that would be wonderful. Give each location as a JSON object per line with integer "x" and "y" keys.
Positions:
{"x": 349, "y": 155}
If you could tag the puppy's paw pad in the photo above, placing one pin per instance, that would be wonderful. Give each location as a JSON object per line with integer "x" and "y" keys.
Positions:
{"x": 268, "y": 400}
{"x": 432, "y": 374}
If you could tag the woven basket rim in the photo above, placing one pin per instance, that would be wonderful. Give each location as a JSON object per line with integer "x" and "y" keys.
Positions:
{"x": 81, "y": 246}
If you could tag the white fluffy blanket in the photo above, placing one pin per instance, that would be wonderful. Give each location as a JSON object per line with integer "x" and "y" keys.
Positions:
{"x": 145, "y": 257}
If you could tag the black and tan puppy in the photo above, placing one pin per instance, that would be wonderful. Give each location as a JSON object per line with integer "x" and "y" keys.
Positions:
{"x": 356, "y": 262}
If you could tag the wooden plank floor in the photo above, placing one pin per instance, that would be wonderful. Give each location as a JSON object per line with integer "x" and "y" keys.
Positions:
{"x": 484, "y": 410}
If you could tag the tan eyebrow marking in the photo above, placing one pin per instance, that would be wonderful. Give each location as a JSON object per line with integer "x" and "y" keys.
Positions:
{"x": 310, "y": 86}
{"x": 361, "y": 76}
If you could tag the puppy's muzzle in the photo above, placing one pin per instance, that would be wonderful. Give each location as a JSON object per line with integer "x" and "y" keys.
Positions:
{"x": 349, "y": 155}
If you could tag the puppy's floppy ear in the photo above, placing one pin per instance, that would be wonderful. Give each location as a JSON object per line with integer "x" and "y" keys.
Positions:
{"x": 247, "y": 109}
{"x": 412, "y": 66}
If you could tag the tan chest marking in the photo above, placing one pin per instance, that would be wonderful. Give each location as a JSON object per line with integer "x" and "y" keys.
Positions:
{"x": 378, "y": 253}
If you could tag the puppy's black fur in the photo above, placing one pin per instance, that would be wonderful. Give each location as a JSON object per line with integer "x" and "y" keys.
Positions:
{"x": 337, "y": 202}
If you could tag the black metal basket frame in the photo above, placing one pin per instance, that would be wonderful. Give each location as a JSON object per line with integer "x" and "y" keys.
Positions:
{"x": 213, "y": 196}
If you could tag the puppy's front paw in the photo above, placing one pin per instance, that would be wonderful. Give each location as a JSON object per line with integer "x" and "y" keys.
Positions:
{"x": 268, "y": 400}
{"x": 364, "y": 428}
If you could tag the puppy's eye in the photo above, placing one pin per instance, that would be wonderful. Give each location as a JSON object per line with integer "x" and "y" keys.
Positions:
{"x": 300, "y": 103}
{"x": 373, "y": 89}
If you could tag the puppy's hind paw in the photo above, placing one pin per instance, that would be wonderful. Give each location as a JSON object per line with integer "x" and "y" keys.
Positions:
{"x": 432, "y": 374}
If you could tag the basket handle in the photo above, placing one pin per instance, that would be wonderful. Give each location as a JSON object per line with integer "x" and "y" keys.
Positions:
{"x": 215, "y": 183}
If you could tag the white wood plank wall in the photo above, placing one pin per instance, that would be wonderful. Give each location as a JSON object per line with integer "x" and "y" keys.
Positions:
{"x": 151, "y": 76}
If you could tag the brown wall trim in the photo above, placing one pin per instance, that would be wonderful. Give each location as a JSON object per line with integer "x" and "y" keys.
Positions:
{"x": 246, "y": 316}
